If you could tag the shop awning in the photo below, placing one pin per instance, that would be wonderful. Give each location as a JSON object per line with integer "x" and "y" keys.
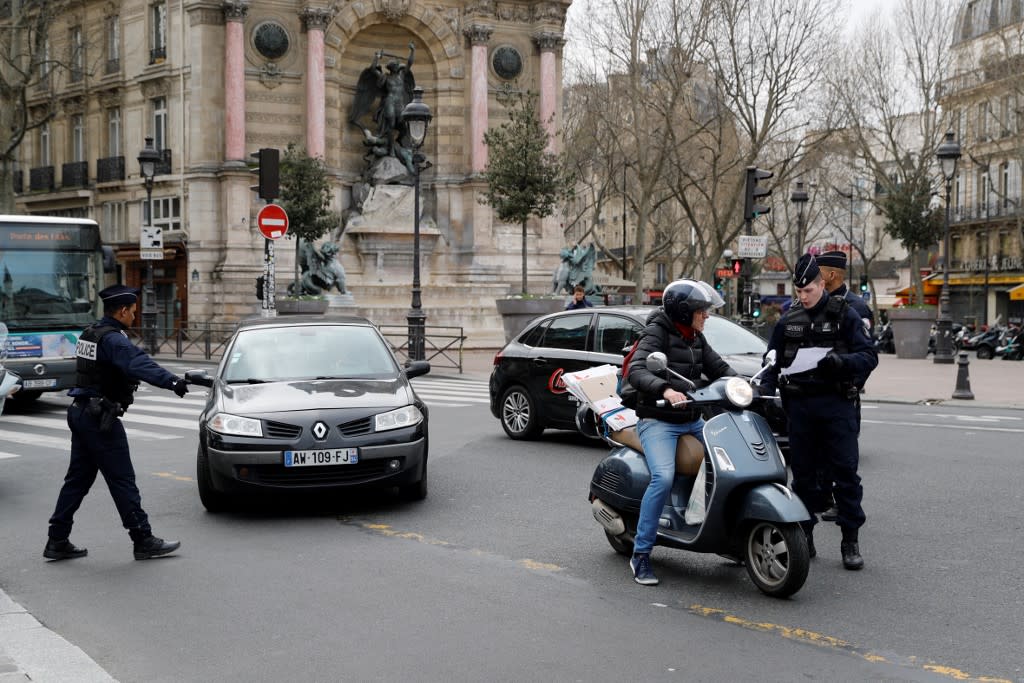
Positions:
{"x": 1017, "y": 293}
{"x": 931, "y": 288}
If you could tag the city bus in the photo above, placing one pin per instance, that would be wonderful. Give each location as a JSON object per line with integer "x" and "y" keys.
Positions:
{"x": 51, "y": 272}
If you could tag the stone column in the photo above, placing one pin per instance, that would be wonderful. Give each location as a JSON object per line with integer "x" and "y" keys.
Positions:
{"x": 548, "y": 44}
{"x": 316, "y": 21}
{"x": 235, "y": 12}
{"x": 478, "y": 35}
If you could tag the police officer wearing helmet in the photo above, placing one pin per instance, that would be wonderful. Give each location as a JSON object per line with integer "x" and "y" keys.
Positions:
{"x": 821, "y": 402}
{"x": 677, "y": 330}
{"x": 109, "y": 369}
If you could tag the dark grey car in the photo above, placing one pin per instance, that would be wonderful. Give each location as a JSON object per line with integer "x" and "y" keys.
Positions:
{"x": 304, "y": 403}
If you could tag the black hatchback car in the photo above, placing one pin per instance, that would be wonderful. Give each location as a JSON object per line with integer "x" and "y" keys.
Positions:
{"x": 526, "y": 389}
{"x": 309, "y": 403}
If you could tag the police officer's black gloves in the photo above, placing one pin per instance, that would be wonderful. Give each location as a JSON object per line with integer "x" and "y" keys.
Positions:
{"x": 180, "y": 388}
{"x": 831, "y": 364}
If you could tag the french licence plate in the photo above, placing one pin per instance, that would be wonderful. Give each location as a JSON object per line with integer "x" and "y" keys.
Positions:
{"x": 40, "y": 383}
{"x": 331, "y": 456}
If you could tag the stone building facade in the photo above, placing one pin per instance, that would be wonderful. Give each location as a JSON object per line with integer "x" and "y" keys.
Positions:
{"x": 212, "y": 81}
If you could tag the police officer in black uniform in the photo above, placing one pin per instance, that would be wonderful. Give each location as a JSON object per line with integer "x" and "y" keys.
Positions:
{"x": 821, "y": 401}
{"x": 833, "y": 273}
{"x": 109, "y": 370}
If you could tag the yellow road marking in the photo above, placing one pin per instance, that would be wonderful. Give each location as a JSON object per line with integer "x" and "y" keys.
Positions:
{"x": 171, "y": 475}
{"x": 826, "y": 641}
{"x": 387, "y": 530}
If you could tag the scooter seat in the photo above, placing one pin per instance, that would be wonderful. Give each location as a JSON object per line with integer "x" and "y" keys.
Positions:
{"x": 689, "y": 450}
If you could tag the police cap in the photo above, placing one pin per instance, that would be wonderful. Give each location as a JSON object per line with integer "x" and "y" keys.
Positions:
{"x": 806, "y": 271}
{"x": 832, "y": 259}
{"x": 117, "y": 296}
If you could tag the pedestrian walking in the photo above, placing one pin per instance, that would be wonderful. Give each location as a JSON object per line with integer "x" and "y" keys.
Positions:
{"x": 109, "y": 369}
{"x": 823, "y": 347}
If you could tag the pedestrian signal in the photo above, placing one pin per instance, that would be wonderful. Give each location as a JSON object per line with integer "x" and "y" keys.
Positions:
{"x": 737, "y": 266}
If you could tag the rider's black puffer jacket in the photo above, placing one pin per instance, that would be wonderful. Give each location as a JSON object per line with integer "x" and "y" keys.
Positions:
{"x": 691, "y": 359}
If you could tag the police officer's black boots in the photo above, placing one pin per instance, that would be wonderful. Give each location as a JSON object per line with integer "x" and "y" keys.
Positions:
{"x": 851, "y": 550}
{"x": 63, "y": 550}
{"x": 811, "y": 550}
{"x": 151, "y": 547}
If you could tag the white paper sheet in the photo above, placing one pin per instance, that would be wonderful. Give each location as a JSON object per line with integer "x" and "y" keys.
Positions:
{"x": 806, "y": 359}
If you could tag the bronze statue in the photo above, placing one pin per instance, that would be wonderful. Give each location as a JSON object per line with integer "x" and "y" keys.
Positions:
{"x": 577, "y": 268}
{"x": 391, "y": 88}
{"x": 320, "y": 270}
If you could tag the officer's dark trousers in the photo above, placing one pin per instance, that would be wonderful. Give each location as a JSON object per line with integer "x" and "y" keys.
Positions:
{"x": 94, "y": 451}
{"x": 823, "y": 432}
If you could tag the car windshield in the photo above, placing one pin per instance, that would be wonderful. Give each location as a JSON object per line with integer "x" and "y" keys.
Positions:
{"x": 728, "y": 338}
{"x": 307, "y": 352}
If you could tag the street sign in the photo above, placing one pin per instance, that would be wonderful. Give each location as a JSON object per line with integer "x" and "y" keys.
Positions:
{"x": 151, "y": 237}
{"x": 753, "y": 246}
{"x": 272, "y": 220}
{"x": 151, "y": 254}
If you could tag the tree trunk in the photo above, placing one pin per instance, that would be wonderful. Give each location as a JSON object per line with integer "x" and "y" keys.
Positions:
{"x": 6, "y": 186}
{"x": 297, "y": 287}
{"x": 524, "y": 257}
{"x": 915, "y": 278}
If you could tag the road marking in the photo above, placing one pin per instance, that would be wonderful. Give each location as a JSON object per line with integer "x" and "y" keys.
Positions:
{"x": 830, "y": 642}
{"x": 972, "y": 418}
{"x": 59, "y": 423}
{"x": 36, "y": 440}
{"x": 929, "y": 425}
{"x": 8, "y": 456}
{"x": 171, "y": 475}
{"x": 161, "y": 421}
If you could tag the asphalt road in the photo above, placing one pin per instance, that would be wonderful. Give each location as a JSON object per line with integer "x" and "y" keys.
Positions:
{"x": 502, "y": 574}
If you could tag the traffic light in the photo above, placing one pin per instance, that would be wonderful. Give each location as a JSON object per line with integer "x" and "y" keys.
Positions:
{"x": 863, "y": 284}
{"x": 719, "y": 283}
{"x": 268, "y": 160}
{"x": 755, "y": 306}
{"x": 755, "y": 193}
{"x": 737, "y": 266}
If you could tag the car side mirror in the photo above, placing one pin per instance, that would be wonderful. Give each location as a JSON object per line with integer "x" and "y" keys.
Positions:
{"x": 416, "y": 368}
{"x": 200, "y": 377}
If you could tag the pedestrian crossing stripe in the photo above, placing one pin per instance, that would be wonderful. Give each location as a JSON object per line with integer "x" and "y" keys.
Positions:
{"x": 59, "y": 423}
{"x": 8, "y": 456}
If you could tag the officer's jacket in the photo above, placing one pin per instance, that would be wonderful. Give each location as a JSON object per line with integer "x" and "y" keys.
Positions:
{"x": 837, "y": 327}
{"x": 691, "y": 359}
{"x": 112, "y": 366}
{"x": 857, "y": 303}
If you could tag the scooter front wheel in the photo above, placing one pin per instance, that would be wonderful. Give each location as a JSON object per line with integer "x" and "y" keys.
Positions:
{"x": 777, "y": 558}
{"x": 619, "y": 544}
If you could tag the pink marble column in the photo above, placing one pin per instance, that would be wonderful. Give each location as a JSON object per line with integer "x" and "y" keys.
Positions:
{"x": 234, "y": 80}
{"x": 316, "y": 21}
{"x": 549, "y": 44}
{"x": 478, "y": 35}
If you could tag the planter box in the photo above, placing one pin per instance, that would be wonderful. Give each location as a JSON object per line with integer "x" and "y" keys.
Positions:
{"x": 301, "y": 306}
{"x": 517, "y": 313}
{"x": 911, "y": 328}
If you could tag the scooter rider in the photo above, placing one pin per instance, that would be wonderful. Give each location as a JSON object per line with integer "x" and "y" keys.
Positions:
{"x": 821, "y": 402}
{"x": 676, "y": 329}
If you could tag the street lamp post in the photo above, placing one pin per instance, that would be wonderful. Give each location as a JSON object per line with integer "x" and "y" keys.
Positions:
{"x": 416, "y": 116}
{"x": 148, "y": 159}
{"x": 948, "y": 154}
{"x": 799, "y": 197}
{"x": 625, "y": 270}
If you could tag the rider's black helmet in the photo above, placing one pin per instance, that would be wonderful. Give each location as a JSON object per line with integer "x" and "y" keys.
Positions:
{"x": 682, "y": 298}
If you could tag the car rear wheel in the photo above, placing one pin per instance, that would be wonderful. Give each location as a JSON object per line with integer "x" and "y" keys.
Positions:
{"x": 519, "y": 416}
{"x": 212, "y": 499}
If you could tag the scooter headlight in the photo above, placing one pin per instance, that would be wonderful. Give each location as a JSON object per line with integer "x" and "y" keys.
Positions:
{"x": 739, "y": 392}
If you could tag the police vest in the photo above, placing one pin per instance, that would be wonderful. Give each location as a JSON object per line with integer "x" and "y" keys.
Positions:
{"x": 801, "y": 330}
{"x": 103, "y": 378}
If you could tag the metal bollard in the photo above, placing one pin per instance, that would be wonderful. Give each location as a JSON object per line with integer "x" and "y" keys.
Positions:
{"x": 963, "y": 381}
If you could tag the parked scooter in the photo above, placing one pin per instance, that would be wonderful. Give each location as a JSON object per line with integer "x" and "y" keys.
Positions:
{"x": 9, "y": 381}
{"x": 750, "y": 512}
{"x": 884, "y": 341}
{"x": 985, "y": 343}
{"x": 1012, "y": 348}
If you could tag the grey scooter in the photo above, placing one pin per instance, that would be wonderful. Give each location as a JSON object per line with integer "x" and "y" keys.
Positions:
{"x": 751, "y": 514}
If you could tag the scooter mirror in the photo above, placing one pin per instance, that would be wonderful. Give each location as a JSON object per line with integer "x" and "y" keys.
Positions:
{"x": 657, "y": 362}
{"x": 770, "y": 357}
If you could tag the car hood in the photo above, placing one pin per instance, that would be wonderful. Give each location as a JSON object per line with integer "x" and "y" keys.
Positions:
{"x": 746, "y": 364}
{"x": 314, "y": 395}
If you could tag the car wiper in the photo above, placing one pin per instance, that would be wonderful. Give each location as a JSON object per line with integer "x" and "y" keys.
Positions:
{"x": 250, "y": 380}
{"x": 332, "y": 377}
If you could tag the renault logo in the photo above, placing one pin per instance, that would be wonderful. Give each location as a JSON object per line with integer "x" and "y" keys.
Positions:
{"x": 320, "y": 431}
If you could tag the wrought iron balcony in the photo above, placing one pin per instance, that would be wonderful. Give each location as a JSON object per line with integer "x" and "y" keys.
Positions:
{"x": 75, "y": 174}
{"x": 41, "y": 178}
{"x": 163, "y": 167}
{"x": 17, "y": 180}
{"x": 980, "y": 211}
{"x": 157, "y": 54}
{"x": 109, "y": 169}
{"x": 113, "y": 66}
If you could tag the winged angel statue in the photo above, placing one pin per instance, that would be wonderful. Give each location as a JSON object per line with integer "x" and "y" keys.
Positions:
{"x": 390, "y": 88}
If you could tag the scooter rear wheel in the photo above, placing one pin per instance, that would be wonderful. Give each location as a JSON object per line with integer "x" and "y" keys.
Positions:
{"x": 777, "y": 558}
{"x": 619, "y": 545}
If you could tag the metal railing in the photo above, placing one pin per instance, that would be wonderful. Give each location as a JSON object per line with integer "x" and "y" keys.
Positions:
{"x": 443, "y": 345}
{"x": 192, "y": 340}
{"x": 109, "y": 169}
{"x": 41, "y": 178}
{"x": 74, "y": 174}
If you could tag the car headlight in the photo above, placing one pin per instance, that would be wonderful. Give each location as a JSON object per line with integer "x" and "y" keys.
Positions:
{"x": 226, "y": 423}
{"x": 396, "y": 419}
{"x": 738, "y": 392}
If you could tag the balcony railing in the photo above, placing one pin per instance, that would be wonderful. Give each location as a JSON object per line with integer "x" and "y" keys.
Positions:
{"x": 113, "y": 66}
{"x": 157, "y": 54}
{"x": 109, "y": 169}
{"x": 18, "y": 180}
{"x": 981, "y": 212}
{"x": 41, "y": 178}
{"x": 75, "y": 174}
{"x": 163, "y": 167}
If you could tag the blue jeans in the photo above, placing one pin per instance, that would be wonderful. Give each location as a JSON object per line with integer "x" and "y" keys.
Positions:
{"x": 659, "y": 443}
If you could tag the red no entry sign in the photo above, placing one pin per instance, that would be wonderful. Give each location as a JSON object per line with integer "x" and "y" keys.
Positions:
{"x": 272, "y": 221}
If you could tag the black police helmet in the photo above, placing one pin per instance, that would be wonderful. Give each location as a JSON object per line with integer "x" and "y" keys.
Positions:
{"x": 682, "y": 298}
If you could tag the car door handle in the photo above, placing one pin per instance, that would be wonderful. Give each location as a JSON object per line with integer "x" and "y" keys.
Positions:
{"x": 540, "y": 361}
